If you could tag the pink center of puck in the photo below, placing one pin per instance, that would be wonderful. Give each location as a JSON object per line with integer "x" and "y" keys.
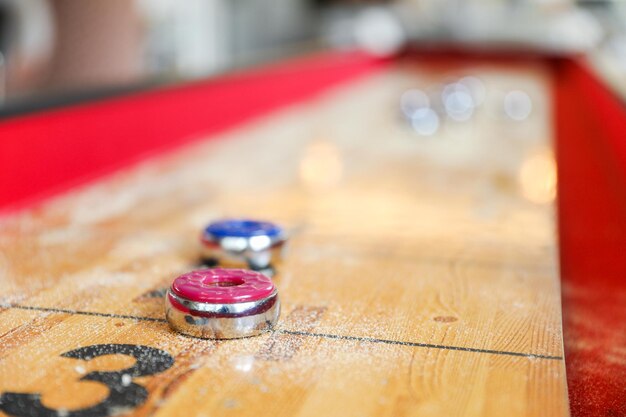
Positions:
{"x": 223, "y": 286}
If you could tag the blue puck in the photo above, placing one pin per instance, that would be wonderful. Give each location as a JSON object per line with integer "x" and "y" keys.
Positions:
{"x": 242, "y": 228}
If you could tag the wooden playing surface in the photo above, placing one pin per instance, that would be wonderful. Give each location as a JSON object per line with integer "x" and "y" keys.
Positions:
{"x": 421, "y": 277}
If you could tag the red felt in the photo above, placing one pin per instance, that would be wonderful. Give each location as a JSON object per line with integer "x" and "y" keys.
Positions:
{"x": 48, "y": 152}
{"x": 591, "y": 152}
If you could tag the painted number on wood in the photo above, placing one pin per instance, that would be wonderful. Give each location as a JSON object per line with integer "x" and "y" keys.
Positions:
{"x": 124, "y": 394}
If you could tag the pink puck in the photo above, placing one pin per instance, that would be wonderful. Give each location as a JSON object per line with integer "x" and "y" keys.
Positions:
{"x": 223, "y": 286}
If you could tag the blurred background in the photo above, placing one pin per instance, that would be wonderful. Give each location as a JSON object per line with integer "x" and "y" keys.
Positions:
{"x": 59, "y": 48}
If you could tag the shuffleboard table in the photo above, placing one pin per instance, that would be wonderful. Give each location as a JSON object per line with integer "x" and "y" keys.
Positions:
{"x": 425, "y": 275}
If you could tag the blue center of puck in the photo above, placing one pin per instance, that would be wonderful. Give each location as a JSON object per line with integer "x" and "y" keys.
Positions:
{"x": 242, "y": 228}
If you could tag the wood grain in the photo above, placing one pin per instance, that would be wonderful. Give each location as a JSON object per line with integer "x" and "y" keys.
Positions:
{"x": 421, "y": 277}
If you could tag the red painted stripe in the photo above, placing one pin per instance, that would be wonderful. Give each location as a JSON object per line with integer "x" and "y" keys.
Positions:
{"x": 48, "y": 152}
{"x": 591, "y": 152}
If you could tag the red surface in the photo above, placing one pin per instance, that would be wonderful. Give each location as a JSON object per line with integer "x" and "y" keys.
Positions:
{"x": 223, "y": 286}
{"x": 591, "y": 151}
{"x": 48, "y": 152}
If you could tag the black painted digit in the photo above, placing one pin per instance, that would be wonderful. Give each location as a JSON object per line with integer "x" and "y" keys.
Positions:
{"x": 124, "y": 394}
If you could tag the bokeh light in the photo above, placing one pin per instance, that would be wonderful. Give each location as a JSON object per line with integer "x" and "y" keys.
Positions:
{"x": 538, "y": 178}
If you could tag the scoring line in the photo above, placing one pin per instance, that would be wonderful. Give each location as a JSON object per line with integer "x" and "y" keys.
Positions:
{"x": 299, "y": 333}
